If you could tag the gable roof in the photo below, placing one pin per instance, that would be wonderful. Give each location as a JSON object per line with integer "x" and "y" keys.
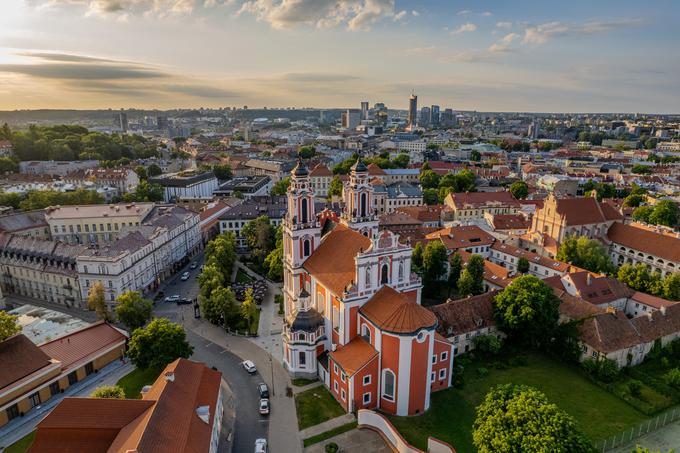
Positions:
{"x": 465, "y": 315}
{"x": 480, "y": 199}
{"x": 649, "y": 242}
{"x": 332, "y": 263}
{"x": 597, "y": 289}
{"x": 392, "y": 311}
{"x": 20, "y": 357}
{"x": 354, "y": 355}
{"x": 585, "y": 211}
{"x": 460, "y": 237}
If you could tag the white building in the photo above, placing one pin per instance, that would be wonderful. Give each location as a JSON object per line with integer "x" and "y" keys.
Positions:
{"x": 186, "y": 185}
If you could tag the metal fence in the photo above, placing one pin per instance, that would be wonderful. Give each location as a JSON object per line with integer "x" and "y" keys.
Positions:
{"x": 636, "y": 432}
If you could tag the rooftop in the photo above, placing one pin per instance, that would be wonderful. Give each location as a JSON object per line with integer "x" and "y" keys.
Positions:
{"x": 392, "y": 311}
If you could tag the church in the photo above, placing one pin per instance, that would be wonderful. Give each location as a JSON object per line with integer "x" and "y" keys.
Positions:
{"x": 352, "y": 305}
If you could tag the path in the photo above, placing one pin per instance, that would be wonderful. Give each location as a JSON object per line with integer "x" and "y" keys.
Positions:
{"x": 327, "y": 425}
{"x": 361, "y": 440}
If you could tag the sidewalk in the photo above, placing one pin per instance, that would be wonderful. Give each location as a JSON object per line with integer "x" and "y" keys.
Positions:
{"x": 283, "y": 429}
{"x": 19, "y": 427}
{"x": 327, "y": 426}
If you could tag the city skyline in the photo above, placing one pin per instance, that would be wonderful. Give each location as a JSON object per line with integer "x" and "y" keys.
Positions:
{"x": 485, "y": 56}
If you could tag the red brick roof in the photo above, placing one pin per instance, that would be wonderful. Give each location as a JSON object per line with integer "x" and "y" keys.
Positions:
{"x": 423, "y": 213}
{"x": 465, "y": 315}
{"x": 354, "y": 355}
{"x": 392, "y": 311}
{"x": 19, "y": 358}
{"x": 73, "y": 348}
{"x": 585, "y": 211}
{"x": 480, "y": 199}
{"x": 320, "y": 170}
{"x": 649, "y": 242}
{"x": 460, "y": 237}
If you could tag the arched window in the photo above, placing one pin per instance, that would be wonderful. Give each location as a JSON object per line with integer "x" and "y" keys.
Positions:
{"x": 401, "y": 271}
{"x": 366, "y": 333}
{"x": 368, "y": 277}
{"x": 303, "y": 214}
{"x": 388, "y": 385}
{"x": 362, "y": 206}
{"x": 305, "y": 248}
{"x": 383, "y": 274}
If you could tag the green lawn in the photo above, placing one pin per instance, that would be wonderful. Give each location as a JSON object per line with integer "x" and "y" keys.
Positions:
{"x": 315, "y": 406}
{"x": 242, "y": 277}
{"x": 255, "y": 324}
{"x": 328, "y": 434}
{"x": 138, "y": 378}
{"x": 21, "y": 445}
{"x": 598, "y": 413}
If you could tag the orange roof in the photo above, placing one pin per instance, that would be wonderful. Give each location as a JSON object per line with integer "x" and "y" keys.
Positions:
{"x": 333, "y": 262}
{"x": 393, "y": 312}
{"x": 81, "y": 344}
{"x": 652, "y": 301}
{"x": 650, "y": 242}
{"x": 423, "y": 213}
{"x": 320, "y": 170}
{"x": 461, "y": 237}
{"x": 20, "y": 358}
{"x": 374, "y": 170}
{"x": 354, "y": 355}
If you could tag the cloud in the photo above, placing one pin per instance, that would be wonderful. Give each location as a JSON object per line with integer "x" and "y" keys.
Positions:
{"x": 463, "y": 12}
{"x": 487, "y": 14}
{"x": 469, "y": 27}
{"x": 64, "y": 57}
{"x": 400, "y": 15}
{"x": 317, "y": 77}
{"x": 504, "y": 24}
{"x": 79, "y": 71}
{"x": 199, "y": 91}
{"x": 286, "y": 14}
{"x": 503, "y": 44}
{"x": 415, "y": 13}
{"x": 539, "y": 34}
{"x": 121, "y": 8}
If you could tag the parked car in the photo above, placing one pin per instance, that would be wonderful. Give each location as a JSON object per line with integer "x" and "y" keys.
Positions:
{"x": 249, "y": 367}
{"x": 185, "y": 301}
{"x": 261, "y": 446}
{"x": 185, "y": 276}
{"x": 173, "y": 298}
{"x": 263, "y": 390}
{"x": 264, "y": 406}
{"x": 194, "y": 265}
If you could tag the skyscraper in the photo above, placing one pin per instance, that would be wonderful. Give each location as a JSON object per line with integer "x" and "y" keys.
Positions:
{"x": 412, "y": 111}
{"x": 434, "y": 115}
{"x": 121, "y": 121}
{"x": 364, "y": 110}
{"x": 533, "y": 130}
{"x": 424, "y": 116}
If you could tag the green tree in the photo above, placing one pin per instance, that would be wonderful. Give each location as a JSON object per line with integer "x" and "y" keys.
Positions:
{"x": 260, "y": 236}
{"x": 281, "y": 187}
{"x": 218, "y": 307}
{"x": 434, "y": 262}
{"x": 487, "y": 343}
{"x": 640, "y": 169}
{"x": 522, "y": 265}
{"x": 671, "y": 286}
{"x": 519, "y": 189}
{"x": 417, "y": 258}
{"x": 222, "y": 172}
{"x": 643, "y": 213}
{"x": 471, "y": 282}
{"x": 634, "y": 200}
{"x": 335, "y": 187}
{"x": 401, "y": 161}
{"x": 145, "y": 192}
{"x": 475, "y": 156}
{"x": 527, "y": 309}
{"x": 430, "y": 196}
{"x": 665, "y": 213}
{"x": 96, "y": 302}
{"x": 154, "y": 170}
{"x": 158, "y": 344}
{"x": 248, "y": 307}
{"x": 586, "y": 253}
{"x": 141, "y": 172}
{"x": 455, "y": 269}
{"x": 210, "y": 279}
{"x": 518, "y": 419}
{"x": 640, "y": 278}
{"x": 8, "y": 165}
{"x": 429, "y": 179}
{"x": 274, "y": 261}
{"x": 306, "y": 152}
{"x": 8, "y": 325}
{"x": 109, "y": 392}
{"x": 221, "y": 252}
{"x": 10, "y": 199}
{"x": 133, "y": 310}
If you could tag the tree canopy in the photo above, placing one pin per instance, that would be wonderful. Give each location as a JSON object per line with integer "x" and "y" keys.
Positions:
{"x": 586, "y": 253}
{"x": 665, "y": 212}
{"x": 519, "y": 189}
{"x": 519, "y": 419}
{"x": 281, "y": 187}
{"x": 158, "y": 344}
{"x": 109, "y": 392}
{"x": 260, "y": 236}
{"x": 335, "y": 187}
{"x": 96, "y": 301}
{"x": 8, "y": 325}
{"x": 641, "y": 279}
{"x": 434, "y": 263}
{"x": 133, "y": 310}
{"x": 471, "y": 282}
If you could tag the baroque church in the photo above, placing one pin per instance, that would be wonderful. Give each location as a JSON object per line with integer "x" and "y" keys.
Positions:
{"x": 352, "y": 305}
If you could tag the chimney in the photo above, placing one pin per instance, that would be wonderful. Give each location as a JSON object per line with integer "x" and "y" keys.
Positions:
{"x": 649, "y": 316}
{"x": 588, "y": 279}
{"x": 663, "y": 310}
{"x": 170, "y": 376}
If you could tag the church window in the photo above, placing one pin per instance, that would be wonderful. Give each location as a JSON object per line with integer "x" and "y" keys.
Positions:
{"x": 368, "y": 277}
{"x": 401, "y": 271}
{"x": 303, "y": 215}
{"x": 363, "y": 205}
{"x": 383, "y": 274}
{"x": 388, "y": 385}
{"x": 305, "y": 248}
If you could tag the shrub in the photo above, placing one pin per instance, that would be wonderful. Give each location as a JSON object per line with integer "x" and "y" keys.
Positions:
{"x": 635, "y": 387}
{"x": 488, "y": 343}
{"x": 331, "y": 447}
{"x": 672, "y": 378}
{"x": 608, "y": 370}
{"x": 590, "y": 366}
{"x": 665, "y": 362}
{"x": 458, "y": 380}
{"x": 482, "y": 372}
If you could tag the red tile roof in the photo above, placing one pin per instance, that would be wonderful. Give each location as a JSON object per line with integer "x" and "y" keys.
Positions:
{"x": 76, "y": 346}
{"x": 320, "y": 170}
{"x": 465, "y": 315}
{"x": 354, "y": 355}
{"x": 461, "y": 237}
{"x": 648, "y": 242}
{"x": 423, "y": 213}
{"x": 19, "y": 358}
{"x": 393, "y": 312}
{"x": 480, "y": 199}
{"x": 585, "y": 211}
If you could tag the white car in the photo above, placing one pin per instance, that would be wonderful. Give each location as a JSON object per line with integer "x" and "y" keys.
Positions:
{"x": 185, "y": 276}
{"x": 261, "y": 446}
{"x": 173, "y": 298}
{"x": 264, "y": 406}
{"x": 249, "y": 366}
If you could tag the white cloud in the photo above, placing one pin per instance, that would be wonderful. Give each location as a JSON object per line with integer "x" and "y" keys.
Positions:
{"x": 121, "y": 8}
{"x": 503, "y": 44}
{"x": 487, "y": 14}
{"x": 539, "y": 34}
{"x": 415, "y": 13}
{"x": 463, "y": 12}
{"x": 468, "y": 27}
{"x": 504, "y": 24}
{"x": 286, "y": 14}
{"x": 400, "y": 15}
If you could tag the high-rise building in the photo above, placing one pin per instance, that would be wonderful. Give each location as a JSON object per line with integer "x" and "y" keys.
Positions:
{"x": 351, "y": 119}
{"x": 434, "y": 115}
{"x": 533, "y": 130}
{"x": 413, "y": 111}
{"x": 121, "y": 121}
{"x": 364, "y": 110}
{"x": 448, "y": 118}
{"x": 162, "y": 122}
{"x": 424, "y": 116}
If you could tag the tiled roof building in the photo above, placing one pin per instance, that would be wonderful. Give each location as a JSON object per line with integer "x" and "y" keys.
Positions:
{"x": 633, "y": 245}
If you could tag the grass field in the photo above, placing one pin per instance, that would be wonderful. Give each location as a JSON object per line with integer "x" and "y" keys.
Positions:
{"x": 242, "y": 277}
{"x": 135, "y": 380}
{"x": 315, "y": 406}
{"x": 599, "y": 414}
{"x": 21, "y": 445}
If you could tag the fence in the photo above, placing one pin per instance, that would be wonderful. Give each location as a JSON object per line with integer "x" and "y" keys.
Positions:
{"x": 636, "y": 432}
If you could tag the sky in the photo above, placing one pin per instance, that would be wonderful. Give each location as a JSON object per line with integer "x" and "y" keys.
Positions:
{"x": 505, "y": 55}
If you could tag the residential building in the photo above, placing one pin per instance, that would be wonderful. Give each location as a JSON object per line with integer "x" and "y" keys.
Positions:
{"x": 186, "y": 184}
{"x": 275, "y": 169}
{"x": 143, "y": 256}
{"x": 462, "y": 321}
{"x": 541, "y": 266}
{"x": 29, "y": 223}
{"x": 123, "y": 179}
{"x": 469, "y": 238}
{"x": 30, "y": 375}
{"x": 41, "y": 269}
{"x": 320, "y": 178}
{"x": 55, "y": 167}
{"x": 6, "y": 149}
{"x": 409, "y": 175}
{"x": 240, "y": 215}
{"x": 429, "y": 215}
{"x": 209, "y": 220}
{"x": 389, "y": 197}
{"x": 630, "y": 244}
{"x": 247, "y": 186}
{"x": 94, "y": 224}
{"x": 560, "y": 185}
{"x": 352, "y": 306}
{"x": 468, "y": 207}
{"x": 507, "y": 224}
{"x": 599, "y": 290}
{"x": 181, "y": 412}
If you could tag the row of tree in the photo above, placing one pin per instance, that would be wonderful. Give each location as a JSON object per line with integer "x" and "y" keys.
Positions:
{"x": 266, "y": 247}
{"x": 641, "y": 279}
{"x": 436, "y": 188}
{"x": 131, "y": 309}
{"x": 40, "y": 199}
{"x": 383, "y": 161}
